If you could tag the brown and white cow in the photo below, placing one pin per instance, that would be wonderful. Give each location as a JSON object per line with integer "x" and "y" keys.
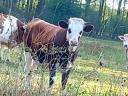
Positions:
{"x": 124, "y": 38}
{"x": 10, "y": 31}
{"x": 48, "y": 43}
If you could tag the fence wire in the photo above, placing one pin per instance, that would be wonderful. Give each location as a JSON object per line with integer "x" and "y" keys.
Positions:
{"x": 12, "y": 72}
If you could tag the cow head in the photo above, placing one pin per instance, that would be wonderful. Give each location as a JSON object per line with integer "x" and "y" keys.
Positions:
{"x": 75, "y": 28}
{"x": 10, "y": 29}
{"x": 125, "y": 40}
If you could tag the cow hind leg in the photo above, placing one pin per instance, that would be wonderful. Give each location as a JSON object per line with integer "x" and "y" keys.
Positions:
{"x": 52, "y": 74}
{"x": 52, "y": 71}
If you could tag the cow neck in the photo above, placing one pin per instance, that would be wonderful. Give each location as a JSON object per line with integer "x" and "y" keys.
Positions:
{"x": 60, "y": 39}
{"x": 66, "y": 43}
{"x": 20, "y": 32}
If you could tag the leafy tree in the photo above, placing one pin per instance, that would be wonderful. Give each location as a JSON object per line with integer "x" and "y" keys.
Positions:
{"x": 106, "y": 20}
{"x": 59, "y": 9}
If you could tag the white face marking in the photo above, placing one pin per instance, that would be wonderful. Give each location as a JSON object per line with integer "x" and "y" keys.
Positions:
{"x": 10, "y": 25}
{"x": 75, "y": 30}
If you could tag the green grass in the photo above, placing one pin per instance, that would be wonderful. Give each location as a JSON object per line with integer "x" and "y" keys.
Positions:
{"x": 87, "y": 78}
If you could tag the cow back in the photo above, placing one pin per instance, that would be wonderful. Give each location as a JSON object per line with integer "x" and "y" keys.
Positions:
{"x": 40, "y": 33}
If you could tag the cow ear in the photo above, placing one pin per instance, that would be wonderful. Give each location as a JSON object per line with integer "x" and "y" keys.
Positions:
{"x": 88, "y": 27}
{"x": 63, "y": 24}
{"x": 22, "y": 28}
{"x": 121, "y": 38}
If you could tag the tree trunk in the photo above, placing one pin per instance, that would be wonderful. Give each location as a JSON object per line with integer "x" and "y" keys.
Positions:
{"x": 112, "y": 9}
{"x": 39, "y": 8}
{"x": 124, "y": 7}
{"x": 14, "y": 2}
{"x": 23, "y": 3}
{"x": 105, "y": 5}
{"x": 119, "y": 7}
{"x": 100, "y": 14}
{"x": 27, "y": 10}
{"x": 27, "y": 7}
{"x": 19, "y": 3}
{"x": 30, "y": 6}
{"x": 126, "y": 16}
{"x": 87, "y": 7}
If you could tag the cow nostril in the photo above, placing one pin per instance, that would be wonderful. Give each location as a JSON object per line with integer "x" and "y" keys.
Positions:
{"x": 73, "y": 43}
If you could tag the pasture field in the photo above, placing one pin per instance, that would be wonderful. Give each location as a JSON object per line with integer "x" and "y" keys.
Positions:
{"x": 100, "y": 70}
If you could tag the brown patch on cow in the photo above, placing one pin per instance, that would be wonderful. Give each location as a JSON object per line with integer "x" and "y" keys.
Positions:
{"x": 2, "y": 19}
{"x": 39, "y": 32}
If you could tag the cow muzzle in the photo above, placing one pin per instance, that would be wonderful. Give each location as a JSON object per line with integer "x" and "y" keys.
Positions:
{"x": 74, "y": 43}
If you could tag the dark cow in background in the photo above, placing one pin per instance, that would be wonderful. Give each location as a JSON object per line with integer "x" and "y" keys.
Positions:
{"x": 10, "y": 31}
{"x": 48, "y": 43}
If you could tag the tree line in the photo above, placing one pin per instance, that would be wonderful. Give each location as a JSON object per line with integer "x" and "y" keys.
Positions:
{"x": 108, "y": 22}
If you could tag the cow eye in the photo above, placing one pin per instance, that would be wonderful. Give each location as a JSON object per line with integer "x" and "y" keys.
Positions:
{"x": 69, "y": 31}
{"x": 80, "y": 32}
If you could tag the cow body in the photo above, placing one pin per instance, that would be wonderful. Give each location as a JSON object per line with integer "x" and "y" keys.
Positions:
{"x": 49, "y": 43}
{"x": 10, "y": 33}
{"x": 46, "y": 43}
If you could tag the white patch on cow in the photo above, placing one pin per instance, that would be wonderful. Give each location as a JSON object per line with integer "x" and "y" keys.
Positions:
{"x": 10, "y": 25}
{"x": 75, "y": 30}
{"x": 74, "y": 48}
{"x": 53, "y": 78}
{"x": 76, "y": 26}
{"x": 69, "y": 65}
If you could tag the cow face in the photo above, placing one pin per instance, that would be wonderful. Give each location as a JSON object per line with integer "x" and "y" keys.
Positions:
{"x": 75, "y": 28}
{"x": 125, "y": 40}
{"x": 9, "y": 26}
{"x": 10, "y": 29}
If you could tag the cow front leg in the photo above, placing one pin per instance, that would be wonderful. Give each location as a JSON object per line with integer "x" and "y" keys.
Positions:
{"x": 66, "y": 69}
{"x": 28, "y": 73}
{"x": 52, "y": 74}
{"x": 64, "y": 80}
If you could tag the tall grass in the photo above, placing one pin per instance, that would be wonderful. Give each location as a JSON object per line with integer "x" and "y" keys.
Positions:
{"x": 88, "y": 77}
